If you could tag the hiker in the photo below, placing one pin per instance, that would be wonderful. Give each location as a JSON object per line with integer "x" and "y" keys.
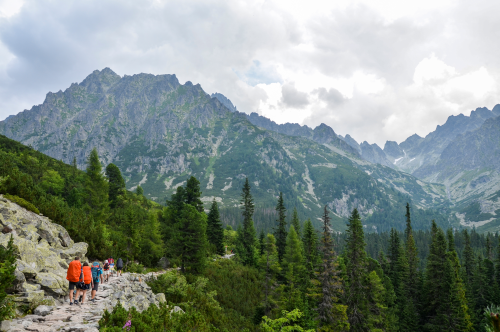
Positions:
{"x": 73, "y": 276}
{"x": 119, "y": 267}
{"x": 106, "y": 270}
{"x": 85, "y": 282}
{"x": 111, "y": 262}
{"x": 96, "y": 278}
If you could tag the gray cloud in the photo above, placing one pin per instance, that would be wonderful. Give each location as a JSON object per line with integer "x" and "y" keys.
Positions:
{"x": 293, "y": 98}
{"x": 233, "y": 47}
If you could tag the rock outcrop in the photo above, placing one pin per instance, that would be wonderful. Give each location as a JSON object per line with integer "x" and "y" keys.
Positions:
{"x": 130, "y": 289}
{"x": 43, "y": 251}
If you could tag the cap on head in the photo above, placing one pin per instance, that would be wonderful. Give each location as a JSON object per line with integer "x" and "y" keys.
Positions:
{"x": 105, "y": 261}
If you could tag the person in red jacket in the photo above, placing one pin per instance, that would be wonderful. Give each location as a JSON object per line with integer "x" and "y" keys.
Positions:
{"x": 86, "y": 277}
{"x": 73, "y": 275}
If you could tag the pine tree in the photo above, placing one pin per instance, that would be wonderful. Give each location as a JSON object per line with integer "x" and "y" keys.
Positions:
{"x": 7, "y": 268}
{"x": 247, "y": 237}
{"x": 489, "y": 247}
{"x": 457, "y": 311}
{"x": 394, "y": 252}
{"x": 310, "y": 242}
{"x": 271, "y": 267}
{"x": 468, "y": 257}
{"x": 293, "y": 265}
{"x": 191, "y": 239}
{"x": 96, "y": 189}
{"x": 296, "y": 222}
{"x": 262, "y": 244}
{"x": 215, "y": 233}
{"x": 408, "y": 229}
{"x": 356, "y": 267}
{"x": 331, "y": 314}
{"x": 116, "y": 183}
{"x": 193, "y": 193}
{"x": 280, "y": 231}
{"x": 139, "y": 191}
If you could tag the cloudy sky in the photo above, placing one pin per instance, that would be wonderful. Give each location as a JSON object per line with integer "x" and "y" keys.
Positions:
{"x": 377, "y": 69}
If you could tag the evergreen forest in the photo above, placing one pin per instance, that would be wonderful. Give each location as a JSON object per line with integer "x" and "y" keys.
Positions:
{"x": 287, "y": 276}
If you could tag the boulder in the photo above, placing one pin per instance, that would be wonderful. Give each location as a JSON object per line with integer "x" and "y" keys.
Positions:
{"x": 176, "y": 310}
{"x": 160, "y": 297}
{"x": 163, "y": 263}
{"x": 43, "y": 250}
{"x": 43, "y": 310}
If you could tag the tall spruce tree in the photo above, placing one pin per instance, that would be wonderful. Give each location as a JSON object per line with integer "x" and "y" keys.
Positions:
{"x": 457, "y": 312}
{"x": 116, "y": 184}
{"x": 270, "y": 265}
{"x": 296, "y": 222}
{"x": 191, "y": 239}
{"x": 280, "y": 230}
{"x": 356, "y": 271}
{"x": 408, "y": 229}
{"x": 331, "y": 313}
{"x": 193, "y": 193}
{"x": 293, "y": 265}
{"x": 215, "y": 233}
{"x": 310, "y": 241}
{"x": 247, "y": 240}
{"x": 7, "y": 276}
{"x": 96, "y": 188}
{"x": 262, "y": 242}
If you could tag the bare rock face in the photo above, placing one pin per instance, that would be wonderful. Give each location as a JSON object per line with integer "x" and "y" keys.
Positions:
{"x": 43, "y": 249}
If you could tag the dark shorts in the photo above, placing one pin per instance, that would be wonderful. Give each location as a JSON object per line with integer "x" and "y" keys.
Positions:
{"x": 85, "y": 287}
{"x": 119, "y": 268}
{"x": 96, "y": 286}
{"x": 72, "y": 285}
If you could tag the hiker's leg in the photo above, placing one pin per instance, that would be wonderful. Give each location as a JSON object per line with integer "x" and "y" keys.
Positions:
{"x": 83, "y": 296}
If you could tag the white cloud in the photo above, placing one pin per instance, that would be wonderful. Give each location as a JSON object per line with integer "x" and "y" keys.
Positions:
{"x": 377, "y": 69}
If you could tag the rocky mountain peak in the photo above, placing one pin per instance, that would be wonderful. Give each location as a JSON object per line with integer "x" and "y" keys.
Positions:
{"x": 393, "y": 150}
{"x": 324, "y": 134}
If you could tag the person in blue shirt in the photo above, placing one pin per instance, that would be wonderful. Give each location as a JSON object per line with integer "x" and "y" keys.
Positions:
{"x": 96, "y": 278}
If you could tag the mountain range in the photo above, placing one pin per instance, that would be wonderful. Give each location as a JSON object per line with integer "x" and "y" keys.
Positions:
{"x": 159, "y": 132}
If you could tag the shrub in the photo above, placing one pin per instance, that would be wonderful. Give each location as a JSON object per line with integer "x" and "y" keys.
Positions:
{"x": 22, "y": 202}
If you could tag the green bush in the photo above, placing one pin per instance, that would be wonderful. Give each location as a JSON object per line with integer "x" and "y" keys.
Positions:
{"x": 135, "y": 268}
{"x": 22, "y": 202}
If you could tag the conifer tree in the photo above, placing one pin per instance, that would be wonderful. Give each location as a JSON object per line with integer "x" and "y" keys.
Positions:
{"x": 310, "y": 242}
{"x": 296, "y": 222}
{"x": 280, "y": 230}
{"x": 457, "y": 311}
{"x": 468, "y": 257}
{"x": 215, "y": 233}
{"x": 356, "y": 267}
{"x": 408, "y": 229}
{"x": 247, "y": 237}
{"x": 96, "y": 188}
{"x": 190, "y": 242}
{"x": 7, "y": 268}
{"x": 193, "y": 193}
{"x": 331, "y": 313}
{"x": 262, "y": 240}
{"x": 139, "y": 191}
{"x": 271, "y": 267}
{"x": 293, "y": 265}
{"x": 115, "y": 182}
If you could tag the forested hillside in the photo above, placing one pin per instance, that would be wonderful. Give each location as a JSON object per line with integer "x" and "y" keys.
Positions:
{"x": 289, "y": 275}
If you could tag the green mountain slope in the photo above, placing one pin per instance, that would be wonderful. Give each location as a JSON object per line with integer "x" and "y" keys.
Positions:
{"x": 159, "y": 132}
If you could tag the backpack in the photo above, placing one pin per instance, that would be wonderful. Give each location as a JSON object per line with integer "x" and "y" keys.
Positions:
{"x": 96, "y": 272}
{"x": 106, "y": 267}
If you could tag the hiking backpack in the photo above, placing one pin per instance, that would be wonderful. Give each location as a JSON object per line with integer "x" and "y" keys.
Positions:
{"x": 96, "y": 273}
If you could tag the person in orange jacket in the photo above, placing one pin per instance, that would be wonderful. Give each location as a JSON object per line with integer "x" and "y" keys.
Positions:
{"x": 73, "y": 275}
{"x": 86, "y": 277}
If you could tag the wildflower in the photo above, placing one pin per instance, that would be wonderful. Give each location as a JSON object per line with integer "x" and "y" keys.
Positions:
{"x": 127, "y": 325}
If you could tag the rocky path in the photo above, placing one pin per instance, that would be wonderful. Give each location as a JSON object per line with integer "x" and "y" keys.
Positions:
{"x": 130, "y": 289}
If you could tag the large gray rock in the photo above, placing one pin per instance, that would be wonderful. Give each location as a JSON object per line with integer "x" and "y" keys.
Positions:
{"x": 43, "y": 251}
{"x": 43, "y": 310}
